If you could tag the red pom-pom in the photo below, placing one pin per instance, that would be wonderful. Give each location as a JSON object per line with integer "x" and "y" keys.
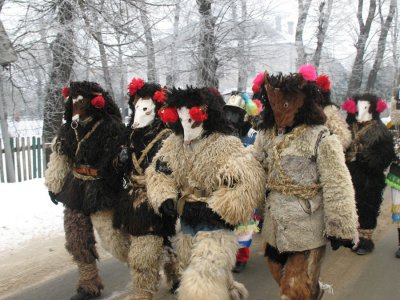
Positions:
{"x": 135, "y": 85}
{"x": 308, "y": 72}
{"x": 259, "y": 105}
{"x": 350, "y": 106}
{"x": 256, "y": 88}
{"x": 98, "y": 101}
{"x": 381, "y": 105}
{"x": 160, "y": 97}
{"x": 259, "y": 80}
{"x": 168, "y": 114}
{"x": 198, "y": 113}
{"x": 65, "y": 91}
{"x": 323, "y": 82}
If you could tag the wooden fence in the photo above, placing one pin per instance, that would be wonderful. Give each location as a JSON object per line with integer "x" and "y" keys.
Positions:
{"x": 29, "y": 158}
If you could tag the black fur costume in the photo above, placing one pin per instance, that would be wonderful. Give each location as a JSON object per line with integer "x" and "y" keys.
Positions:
{"x": 97, "y": 152}
{"x": 367, "y": 158}
{"x": 130, "y": 217}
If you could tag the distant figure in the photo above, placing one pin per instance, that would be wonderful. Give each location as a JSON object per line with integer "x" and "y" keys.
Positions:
{"x": 370, "y": 153}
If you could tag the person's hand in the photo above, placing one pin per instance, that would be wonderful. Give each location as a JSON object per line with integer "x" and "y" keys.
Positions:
{"x": 336, "y": 243}
{"x": 168, "y": 209}
{"x": 53, "y": 197}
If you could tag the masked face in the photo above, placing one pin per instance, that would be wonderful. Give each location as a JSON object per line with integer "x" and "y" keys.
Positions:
{"x": 145, "y": 112}
{"x": 363, "y": 114}
{"x": 191, "y": 129}
{"x": 284, "y": 106}
{"x": 78, "y": 109}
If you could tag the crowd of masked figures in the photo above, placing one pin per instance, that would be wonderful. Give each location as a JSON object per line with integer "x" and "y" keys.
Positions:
{"x": 180, "y": 190}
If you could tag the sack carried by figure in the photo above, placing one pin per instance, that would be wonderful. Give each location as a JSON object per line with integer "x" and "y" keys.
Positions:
{"x": 393, "y": 179}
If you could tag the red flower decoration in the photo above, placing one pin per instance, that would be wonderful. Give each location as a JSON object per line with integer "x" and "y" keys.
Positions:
{"x": 323, "y": 82}
{"x": 135, "y": 85}
{"x": 65, "y": 91}
{"x": 198, "y": 113}
{"x": 350, "y": 106}
{"x": 168, "y": 114}
{"x": 160, "y": 96}
{"x": 381, "y": 105}
{"x": 98, "y": 101}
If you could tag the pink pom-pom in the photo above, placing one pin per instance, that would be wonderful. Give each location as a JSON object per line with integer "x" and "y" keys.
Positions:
{"x": 308, "y": 72}
{"x": 259, "y": 105}
{"x": 350, "y": 106}
{"x": 65, "y": 91}
{"x": 259, "y": 80}
{"x": 381, "y": 105}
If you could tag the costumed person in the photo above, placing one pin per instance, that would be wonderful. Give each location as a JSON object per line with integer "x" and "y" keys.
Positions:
{"x": 393, "y": 177}
{"x": 149, "y": 231}
{"x": 310, "y": 198}
{"x": 214, "y": 184}
{"x": 83, "y": 176}
{"x": 334, "y": 120}
{"x": 370, "y": 153}
{"x": 237, "y": 107}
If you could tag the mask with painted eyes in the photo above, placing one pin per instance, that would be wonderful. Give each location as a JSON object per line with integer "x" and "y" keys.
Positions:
{"x": 192, "y": 130}
{"x": 79, "y": 114}
{"x": 145, "y": 112}
{"x": 363, "y": 114}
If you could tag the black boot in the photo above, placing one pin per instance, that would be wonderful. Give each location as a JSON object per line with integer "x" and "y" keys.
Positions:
{"x": 239, "y": 267}
{"x": 83, "y": 295}
{"x": 175, "y": 286}
{"x": 365, "y": 246}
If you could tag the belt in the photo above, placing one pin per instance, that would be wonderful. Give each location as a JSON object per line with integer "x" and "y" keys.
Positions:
{"x": 85, "y": 170}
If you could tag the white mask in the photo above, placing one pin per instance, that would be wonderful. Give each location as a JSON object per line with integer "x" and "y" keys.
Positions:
{"x": 191, "y": 129}
{"x": 363, "y": 114}
{"x": 145, "y": 112}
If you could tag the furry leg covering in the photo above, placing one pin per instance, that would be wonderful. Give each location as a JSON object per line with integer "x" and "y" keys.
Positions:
{"x": 183, "y": 244}
{"x": 81, "y": 244}
{"x": 208, "y": 275}
{"x": 112, "y": 240}
{"x": 300, "y": 275}
{"x": 144, "y": 260}
{"x": 366, "y": 241}
{"x": 171, "y": 266}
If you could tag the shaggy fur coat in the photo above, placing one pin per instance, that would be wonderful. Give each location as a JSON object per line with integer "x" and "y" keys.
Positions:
{"x": 98, "y": 152}
{"x": 295, "y": 223}
{"x": 337, "y": 125}
{"x": 374, "y": 153}
{"x": 133, "y": 214}
{"x": 232, "y": 182}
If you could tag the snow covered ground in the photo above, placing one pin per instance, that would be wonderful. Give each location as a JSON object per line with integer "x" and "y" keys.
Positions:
{"x": 27, "y": 212}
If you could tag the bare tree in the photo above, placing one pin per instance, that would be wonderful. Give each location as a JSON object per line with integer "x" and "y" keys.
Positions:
{"x": 325, "y": 10}
{"x": 303, "y": 7}
{"x": 172, "y": 76}
{"x": 242, "y": 52}
{"x": 63, "y": 59}
{"x": 208, "y": 63}
{"x": 358, "y": 65}
{"x": 394, "y": 40}
{"x": 385, "y": 26}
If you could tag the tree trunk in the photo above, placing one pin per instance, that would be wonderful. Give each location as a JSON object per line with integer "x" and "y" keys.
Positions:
{"x": 104, "y": 63}
{"x": 63, "y": 59}
{"x": 358, "y": 66}
{"x": 395, "y": 35}
{"x": 122, "y": 75}
{"x": 172, "y": 77}
{"x": 323, "y": 23}
{"x": 208, "y": 63}
{"x": 152, "y": 75}
{"x": 241, "y": 51}
{"x": 381, "y": 46}
{"x": 303, "y": 6}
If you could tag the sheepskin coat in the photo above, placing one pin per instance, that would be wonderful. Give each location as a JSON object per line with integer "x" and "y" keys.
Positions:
{"x": 337, "y": 125}
{"x": 98, "y": 152}
{"x": 231, "y": 181}
{"x": 298, "y": 223}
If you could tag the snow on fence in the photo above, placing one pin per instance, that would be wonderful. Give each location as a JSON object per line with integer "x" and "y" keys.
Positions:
{"x": 28, "y": 156}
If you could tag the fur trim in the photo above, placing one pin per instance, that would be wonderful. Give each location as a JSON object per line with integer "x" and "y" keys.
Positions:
{"x": 112, "y": 240}
{"x": 89, "y": 280}
{"x": 337, "y": 125}
{"x": 58, "y": 168}
{"x": 183, "y": 244}
{"x": 144, "y": 260}
{"x": 171, "y": 266}
{"x": 208, "y": 276}
{"x": 338, "y": 194}
{"x": 79, "y": 236}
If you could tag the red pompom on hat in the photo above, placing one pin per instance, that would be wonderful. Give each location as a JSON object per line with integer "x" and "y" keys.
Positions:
{"x": 135, "y": 85}
{"x": 168, "y": 114}
{"x": 160, "y": 97}
{"x": 98, "y": 101}
{"x": 257, "y": 83}
{"x": 350, "y": 106}
{"x": 198, "y": 113}
{"x": 381, "y": 105}
{"x": 323, "y": 82}
{"x": 65, "y": 91}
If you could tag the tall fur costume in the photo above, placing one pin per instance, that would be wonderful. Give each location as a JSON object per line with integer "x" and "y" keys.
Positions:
{"x": 310, "y": 196}
{"x": 82, "y": 174}
{"x": 216, "y": 186}
{"x": 370, "y": 153}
